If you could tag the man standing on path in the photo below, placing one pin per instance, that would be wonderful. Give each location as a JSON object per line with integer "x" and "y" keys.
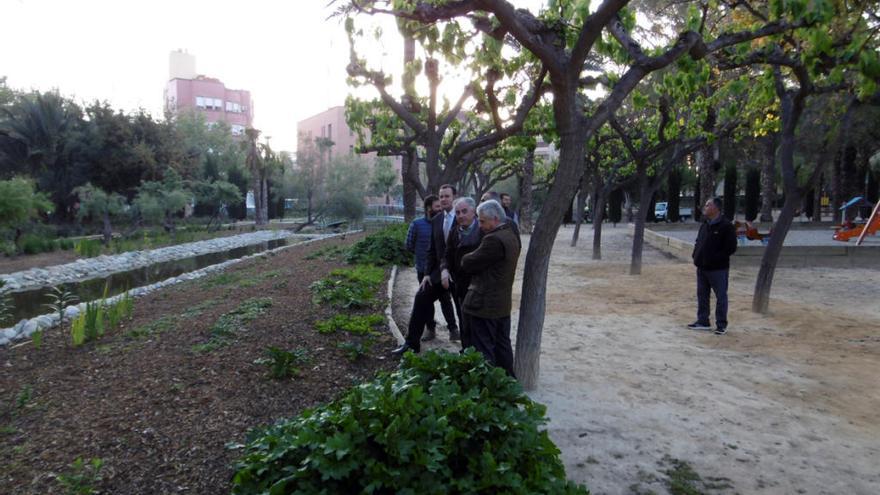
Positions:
{"x": 507, "y": 203}
{"x": 430, "y": 288}
{"x": 418, "y": 242}
{"x": 716, "y": 243}
{"x": 463, "y": 239}
{"x": 488, "y": 302}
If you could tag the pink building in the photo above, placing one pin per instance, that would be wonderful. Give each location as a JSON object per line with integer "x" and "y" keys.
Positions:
{"x": 209, "y": 96}
{"x": 331, "y": 124}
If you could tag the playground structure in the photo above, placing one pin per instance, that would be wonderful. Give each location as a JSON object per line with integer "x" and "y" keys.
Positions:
{"x": 848, "y": 229}
{"x": 750, "y": 232}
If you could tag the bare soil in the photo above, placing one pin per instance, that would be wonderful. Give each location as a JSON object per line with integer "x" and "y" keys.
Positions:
{"x": 158, "y": 412}
{"x": 784, "y": 403}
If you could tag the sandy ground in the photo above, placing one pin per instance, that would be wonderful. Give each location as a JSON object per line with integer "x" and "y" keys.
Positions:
{"x": 784, "y": 403}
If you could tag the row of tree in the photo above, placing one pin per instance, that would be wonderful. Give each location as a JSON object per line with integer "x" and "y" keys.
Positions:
{"x": 625, "y": 104}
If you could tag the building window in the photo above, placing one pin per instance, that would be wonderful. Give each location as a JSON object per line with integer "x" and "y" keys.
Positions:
{"x": 329, "y": 131}
{"x": 323, "y": 131}
{"x": 209, "y": 103}
{"x": 237, "y": 130}
{"x": 350, "y": 149}
{"x": 200, "y": 101}
{"x": 233, "y": 107}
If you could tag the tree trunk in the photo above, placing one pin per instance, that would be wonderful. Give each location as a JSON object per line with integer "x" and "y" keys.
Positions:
{"x": 705, "y": 158}
{"x": 849, "y": 179}
{"x": 409, "y": 170}
{"x": 309, "y": 206}
{"x": 534, "y": 287}
{"x": 645, "y": 192}
{"x": 579, "y": 208}
{"x": 768, "y": 179}
{"x": 525, "y": 193}
{"x": 836, "y": 190}
{"x": 598, "y": 218}
{"x": 258, "y": 196}
{"x": 792, "y": 107}
{"x": 730, "y": 190}
{"x": 817, "y": 198}
{"x": 264, "y": 192}
{"x": 628, "y": 206}
{"x": 753, "y": 193}
{"x": 108, "y": 229}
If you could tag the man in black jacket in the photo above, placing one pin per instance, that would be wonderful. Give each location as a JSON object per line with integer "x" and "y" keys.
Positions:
{"x": 430, "y": 288}
{"x": 715, "y": 244}
{"x": 464, "y": 238}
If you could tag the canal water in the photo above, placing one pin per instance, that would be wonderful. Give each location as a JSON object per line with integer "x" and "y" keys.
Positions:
{"x": 31, "y": 302}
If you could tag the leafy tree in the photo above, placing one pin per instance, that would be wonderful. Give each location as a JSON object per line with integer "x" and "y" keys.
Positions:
{"x": 214, "y": 196}
{"x": 837, "y": 50}
{"x": 98, "y": 204}
{"x": 384, "y": 179}
{"x": 562, "y": 39}
{"x": 346, "y": 188}
{"x": 160, "y": 202}
{"x": 19, "y": 202}
{"x": 38, "y": 133}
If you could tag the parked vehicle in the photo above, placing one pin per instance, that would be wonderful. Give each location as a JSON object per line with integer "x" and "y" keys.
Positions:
{"x": 661, "y": 212}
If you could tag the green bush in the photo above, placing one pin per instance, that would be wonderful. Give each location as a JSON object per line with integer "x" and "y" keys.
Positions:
{"x": 88, "y": 248}
{"x": 443, "y": 423}
{"x": 385, "y": 247}
{"x": 349, "y": 287}
{"x": 34, "y": 244}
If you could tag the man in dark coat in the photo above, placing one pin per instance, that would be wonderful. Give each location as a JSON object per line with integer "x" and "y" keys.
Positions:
{"x": 488, "y": 303}
{"x": 430, "y": 288}
{"x": 716, "y": 243}
{"x": 463, "y": 239}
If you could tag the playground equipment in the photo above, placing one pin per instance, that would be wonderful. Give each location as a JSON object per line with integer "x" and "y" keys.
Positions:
{"x": 849, "y": 229}
{"x": 750, "y": 232}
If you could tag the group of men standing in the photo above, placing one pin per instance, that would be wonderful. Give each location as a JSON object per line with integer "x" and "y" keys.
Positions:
{"x": 466, "y": 258}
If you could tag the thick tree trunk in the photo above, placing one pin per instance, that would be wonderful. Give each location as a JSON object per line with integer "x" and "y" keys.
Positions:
{"x": 645, "y": 192}
{"x": 706, "y": 158}
{"x": 410, "y": 191}
{"x": 534, "y": 287}
{"x": 768, "y": 179}
{"x": 792, "y": 107}
{"x": 525, "y": 193}
{"x": 598, "y": 219}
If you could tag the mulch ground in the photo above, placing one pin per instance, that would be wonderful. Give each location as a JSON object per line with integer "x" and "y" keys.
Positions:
{"x": 158, "y": 412}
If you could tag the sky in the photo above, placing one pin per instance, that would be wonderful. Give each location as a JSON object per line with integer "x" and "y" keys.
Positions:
{"x": 285, "y": 52}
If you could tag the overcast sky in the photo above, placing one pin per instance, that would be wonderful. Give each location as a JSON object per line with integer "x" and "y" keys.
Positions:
{"x": 285, "y": 52}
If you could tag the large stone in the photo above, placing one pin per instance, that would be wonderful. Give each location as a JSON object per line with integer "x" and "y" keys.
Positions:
{"x": 71, "y": 312}
{"x": 29, "y": 328}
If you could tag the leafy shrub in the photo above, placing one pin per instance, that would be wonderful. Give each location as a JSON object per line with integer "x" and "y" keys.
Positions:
{"x": 88, "y": 325}
{"x": 120, "y": 310}
{"x": 349, "y": 287}
{"x": 443, "y": 423}
{"x": 34, "y": 244}
{"x": 355, "y": 350}
{"x": 385, "y": 247}
{"x": 82, "y": 477}
{"x": 283, "y": 364}
{"x": 358, "y": 325}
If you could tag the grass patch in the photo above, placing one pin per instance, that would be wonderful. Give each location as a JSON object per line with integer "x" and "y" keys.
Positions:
{"x": 349, "y": 288}
{"x": 156, "y": 327}
{"x": 229, "y": 323}
{"x": 329, "y": 253}
{"x": 355, "y": 324}
{"x": 225, "y": 278}
{"x": 355, "y": 350}
{"x": 198, "y": 309}
{"x": 383, "y": 248}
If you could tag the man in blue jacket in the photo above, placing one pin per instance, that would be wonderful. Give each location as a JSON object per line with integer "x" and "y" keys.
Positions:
{"x": 716, "y": 243}
{"x": 418, "y": 242}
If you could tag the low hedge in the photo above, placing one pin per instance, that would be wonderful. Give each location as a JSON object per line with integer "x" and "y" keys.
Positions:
{"x": 442, "y": 424}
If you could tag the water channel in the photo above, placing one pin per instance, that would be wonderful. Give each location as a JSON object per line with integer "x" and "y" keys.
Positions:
{"x": 30, "y": 303}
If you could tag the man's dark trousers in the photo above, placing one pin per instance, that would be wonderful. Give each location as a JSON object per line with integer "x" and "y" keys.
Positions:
{"x": 423, "y": 312}
{"x": 446, "y": 306}
{"x": 712, "y": 280}
{"x": 492, "y": 338}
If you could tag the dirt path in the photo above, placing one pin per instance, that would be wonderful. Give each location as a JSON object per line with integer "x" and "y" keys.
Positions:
{"x": 785, "y": 403}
